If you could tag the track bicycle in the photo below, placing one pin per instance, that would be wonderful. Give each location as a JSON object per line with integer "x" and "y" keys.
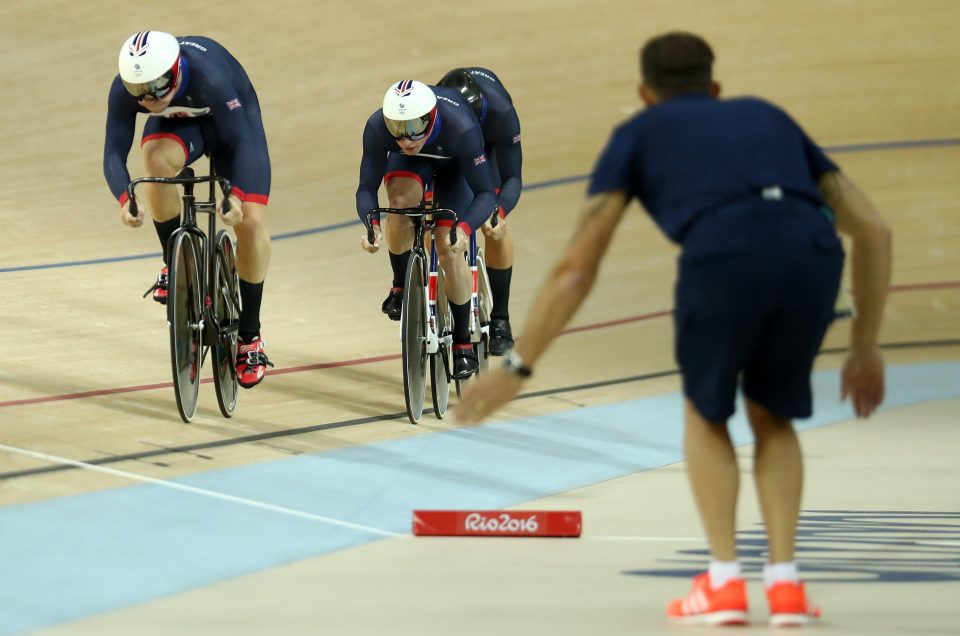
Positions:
{"x": 426, "y": 323}
{"x": 203, "y": 296}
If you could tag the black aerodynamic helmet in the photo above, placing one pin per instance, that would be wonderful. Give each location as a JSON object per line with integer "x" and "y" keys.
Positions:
{"x": 459, "y": 79}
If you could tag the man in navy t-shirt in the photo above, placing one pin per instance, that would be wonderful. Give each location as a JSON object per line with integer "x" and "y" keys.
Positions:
{"x": 754, "y": 204}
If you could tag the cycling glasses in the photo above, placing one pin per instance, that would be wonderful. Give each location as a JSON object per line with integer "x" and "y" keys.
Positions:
{"x": 412, "y": 129}
{"x": 157, "y": 89}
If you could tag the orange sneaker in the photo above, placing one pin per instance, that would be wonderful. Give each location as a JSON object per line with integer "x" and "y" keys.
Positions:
{"x": 706, "y": 606}
{"x": 789, "y": 605}
{"x": 252, "y": 362}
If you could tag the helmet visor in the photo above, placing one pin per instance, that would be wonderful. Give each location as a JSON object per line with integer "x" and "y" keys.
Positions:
{"x": 413, "y": 129}
{"x": 157, "y": 89}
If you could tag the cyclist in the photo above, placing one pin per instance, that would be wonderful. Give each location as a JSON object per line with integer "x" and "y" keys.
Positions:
{"x": 426, "y": 138}
{"x": 498, "y": 119}
{"x": 199, "y": 101}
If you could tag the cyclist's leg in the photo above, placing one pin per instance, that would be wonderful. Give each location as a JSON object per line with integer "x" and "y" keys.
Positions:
{"x": 452, "y": 191}
{"x": 253, "y": 240}
{"x": 167, "y": 146}
{"x": 405, "y": 180}
{"x": 499, "y": 253}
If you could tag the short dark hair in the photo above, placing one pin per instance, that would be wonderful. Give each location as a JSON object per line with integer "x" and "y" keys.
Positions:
{"x": 675, "y": 63}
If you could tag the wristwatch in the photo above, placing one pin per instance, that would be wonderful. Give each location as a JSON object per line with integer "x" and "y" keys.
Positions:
{"x": 514, "y": 364}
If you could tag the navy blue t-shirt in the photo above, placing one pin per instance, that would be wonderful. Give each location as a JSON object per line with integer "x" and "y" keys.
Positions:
{"x": 690, "y": 154}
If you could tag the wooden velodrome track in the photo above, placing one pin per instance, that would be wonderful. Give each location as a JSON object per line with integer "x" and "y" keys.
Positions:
{"x": 85, "y": 374}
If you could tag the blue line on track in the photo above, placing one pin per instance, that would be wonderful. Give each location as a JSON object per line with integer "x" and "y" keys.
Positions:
{"x": 883, "y": 145}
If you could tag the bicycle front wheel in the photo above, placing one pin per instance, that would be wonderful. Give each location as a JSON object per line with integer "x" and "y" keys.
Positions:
{"x": 184, "y": 317}
{"x": 413, "y": 330}
{"x": 226, "y": 314}
{"x": 440, "y": 361}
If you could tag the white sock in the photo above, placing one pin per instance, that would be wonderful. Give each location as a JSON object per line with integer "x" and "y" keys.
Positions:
{"x": 776, "y": 572}
{"x": 723, "y": 571}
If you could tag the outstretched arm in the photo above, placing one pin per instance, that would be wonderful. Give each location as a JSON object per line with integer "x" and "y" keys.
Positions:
{"x": 871, "y": 261}
{"x": 567, "y": 285}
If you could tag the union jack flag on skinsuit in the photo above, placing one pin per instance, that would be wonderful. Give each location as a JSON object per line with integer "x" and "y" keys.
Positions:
{"x": 233, "y": 104}
{"x": 479, "y": 160}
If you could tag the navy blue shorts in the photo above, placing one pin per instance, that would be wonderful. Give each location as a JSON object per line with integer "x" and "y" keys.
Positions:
{"x": 199, "y": 136}
{"x": 755, "y": 294}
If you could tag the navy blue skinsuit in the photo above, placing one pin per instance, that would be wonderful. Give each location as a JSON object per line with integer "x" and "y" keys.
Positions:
{"x": 453, "y": 160}
{"x": 215, "y": 110}
{"x": 501, "y": 134}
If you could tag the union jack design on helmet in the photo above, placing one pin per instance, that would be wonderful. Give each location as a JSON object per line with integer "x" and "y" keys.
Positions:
{"x": 409, "y": 110}
{"x": 150, "y": 64}
{"x": 404, "y": 88}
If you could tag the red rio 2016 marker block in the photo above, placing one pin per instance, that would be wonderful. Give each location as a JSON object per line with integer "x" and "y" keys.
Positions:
{"x": 497, "y": 523}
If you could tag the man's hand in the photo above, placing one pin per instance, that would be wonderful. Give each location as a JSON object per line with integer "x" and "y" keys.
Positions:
{"x": 235, "y": 215}
{"x": 488, "y": 393}
{"x": 371, "y": 248}
{"x": 862, "y": 380}
{"x": 131, "y": 221}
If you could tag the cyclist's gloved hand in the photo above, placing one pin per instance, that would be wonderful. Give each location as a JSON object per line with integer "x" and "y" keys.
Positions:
{"x": 131, "y": 221}
{"x": 463, "y": 239}
{"x": 371, "y": 248}
{"x": 498, "y": 231}
{"x": 235, "y": 215}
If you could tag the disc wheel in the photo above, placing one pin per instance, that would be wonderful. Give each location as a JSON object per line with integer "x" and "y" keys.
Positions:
{"x": 226, "y": 313}
{"x": 485, "y": 305}
{"x": 413, "y": 335}
{"x": 184, "y": 316}
{"x": 440, "y": 361}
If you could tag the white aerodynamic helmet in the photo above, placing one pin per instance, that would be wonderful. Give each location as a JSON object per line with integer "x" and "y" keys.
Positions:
{"x": 409, "y": 110}
{"x": 150, "y": 64}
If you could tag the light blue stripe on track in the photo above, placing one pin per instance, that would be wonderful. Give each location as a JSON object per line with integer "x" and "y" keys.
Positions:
{"x": 78, "y": 556}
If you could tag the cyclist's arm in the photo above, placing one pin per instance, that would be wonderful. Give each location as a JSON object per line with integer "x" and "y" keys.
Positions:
{"x": 373, "y": 165}
{"x": 234, "y": 127}
{"x": 121, "y": 125}
{"x": 476, "y": 170}
{"x": 509, "y": 162}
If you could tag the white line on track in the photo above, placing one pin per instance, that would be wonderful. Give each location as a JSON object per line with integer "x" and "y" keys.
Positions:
{"x": 198, "y": 491}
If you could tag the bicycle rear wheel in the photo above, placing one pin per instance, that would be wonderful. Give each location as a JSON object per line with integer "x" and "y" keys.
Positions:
{"x": 226, "y": 314}
{"x": 485, "y": 305}
{"x": 440, "y": 361}
{"x": 185, "y": 320}
{"x": 413, "y": 333}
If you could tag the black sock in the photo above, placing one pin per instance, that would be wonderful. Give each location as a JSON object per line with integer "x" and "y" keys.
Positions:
{"x": 399, "y": 264}
{"x": 164, "y": 230}
{"x": 250, "y": 296}
{"x": 500, "y": 290}
{"x": 461, "y": 322}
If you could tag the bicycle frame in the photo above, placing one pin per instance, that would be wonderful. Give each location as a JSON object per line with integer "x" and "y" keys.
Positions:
{"x": 191, "y": 207}
{"x": 210, "y": 321}
{"x": 421, "y": 225}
